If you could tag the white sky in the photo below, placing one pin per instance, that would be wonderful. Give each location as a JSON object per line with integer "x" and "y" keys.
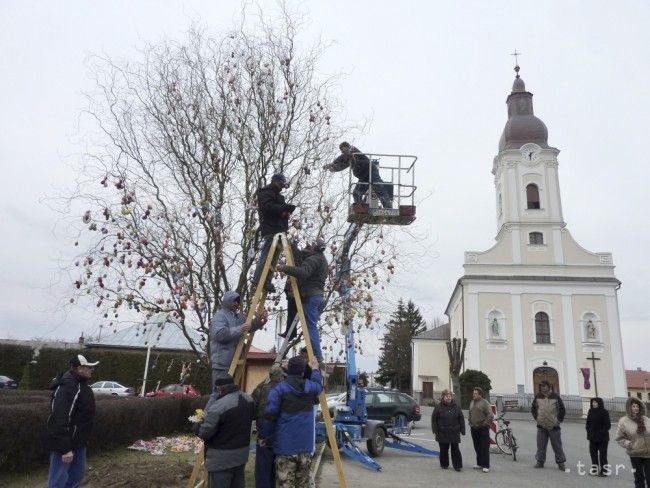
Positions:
{"x": 431, "y": 76}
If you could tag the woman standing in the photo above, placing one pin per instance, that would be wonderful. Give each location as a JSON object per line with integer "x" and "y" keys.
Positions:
{"x": 448, "y": 423}
{"x": 634, "y": 436}
{"x": 598, "y": 425}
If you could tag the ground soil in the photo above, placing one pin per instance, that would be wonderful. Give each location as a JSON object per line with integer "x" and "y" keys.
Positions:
{"x": 141, "y": 473}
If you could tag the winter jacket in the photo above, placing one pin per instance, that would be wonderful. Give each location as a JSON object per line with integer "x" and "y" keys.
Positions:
{"x": 226, "y": 429}
{"x": 480, "y": 413}
{"x": 627, "y": 436}
{"x": 225, "y": 331}
{"x": 72, "y": 414}
{"x": 261, "y": 397}
{"x": 359, "y": 162}
{"x": 311, "y": 274}
{"x": 289, "y": 415}
{"x": 598, "y": 422}
{"x": 548, "y": 411}
{"x": 273, "y": 211}
{"x": 448, "y": 423}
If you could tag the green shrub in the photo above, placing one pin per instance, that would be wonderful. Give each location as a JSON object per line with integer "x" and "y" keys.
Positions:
{"x": 14, "y": 359}
{"x": 119, "y": 421}
{"x": 469, "y": 380}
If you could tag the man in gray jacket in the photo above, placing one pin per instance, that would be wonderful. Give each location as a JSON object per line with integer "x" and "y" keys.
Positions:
{"x": 311, "y": 274}
{"x": 480, "y": 418}
{"x": 226, "y": 430}
{"x": 226, "y": 327}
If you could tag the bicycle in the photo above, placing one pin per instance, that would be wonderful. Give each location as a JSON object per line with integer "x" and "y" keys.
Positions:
{"x": 505, "y": 439}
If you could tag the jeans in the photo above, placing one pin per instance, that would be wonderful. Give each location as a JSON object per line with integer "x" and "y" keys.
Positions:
{"x": 264, "y": 467}
{"x": 641, "y": 472}
{"x": 543, "y": 437}
{"x": 227, "y": 478}
{"x": 312, "y": 306}
{"x": 481, "y": 439}
{"x": 598, "y": 452}
{"x": 384, "y": 192}
{"x": 68, "y": 475}
{"x": 456, "y": 457}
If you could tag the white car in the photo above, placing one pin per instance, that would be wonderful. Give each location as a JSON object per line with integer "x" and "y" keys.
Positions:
{"x": 111, "y": 388}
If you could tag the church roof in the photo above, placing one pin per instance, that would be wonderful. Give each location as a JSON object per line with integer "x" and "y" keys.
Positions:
{"x": 522, "y": 125}
{"x": 637, "y": 378}
{"x": 440, "y": 333}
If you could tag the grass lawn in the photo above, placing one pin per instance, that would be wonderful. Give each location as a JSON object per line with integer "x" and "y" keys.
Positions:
{"x": 126, "y": 467}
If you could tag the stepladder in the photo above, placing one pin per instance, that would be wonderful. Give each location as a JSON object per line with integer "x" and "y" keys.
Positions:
{"x": 279, "y": 245}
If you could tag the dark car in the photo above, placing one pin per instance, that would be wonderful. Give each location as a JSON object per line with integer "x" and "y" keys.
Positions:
{"x": 389, "y": 406}
{"x": 6, "y": 382}
{"x": 175, "y": 390}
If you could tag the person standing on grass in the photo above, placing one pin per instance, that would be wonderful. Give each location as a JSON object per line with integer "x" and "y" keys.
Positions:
{"x": 480, "y": 418}
{"x": 448, "y": 423}
{"x": 226, "y": 430}
{"x": 289, "y": 424}
{"x": 548, "y": 410}
{"x": 70, "y": 423}
{"x": 633, "y": 435}
{"x": 598, "y": 425}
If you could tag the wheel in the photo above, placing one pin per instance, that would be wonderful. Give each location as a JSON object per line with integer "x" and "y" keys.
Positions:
{"x": 376, "y": 443}
{"x": 503, "y": 442}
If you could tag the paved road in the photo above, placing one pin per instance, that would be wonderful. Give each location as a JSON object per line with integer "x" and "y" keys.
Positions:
{"x": 412, "y": 470}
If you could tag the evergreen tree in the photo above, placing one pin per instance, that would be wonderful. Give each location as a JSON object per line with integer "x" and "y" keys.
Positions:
{"x": 396, "y": 352}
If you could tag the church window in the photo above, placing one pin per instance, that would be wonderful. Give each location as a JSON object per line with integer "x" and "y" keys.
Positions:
{"x": 536, "y": 238}
{"x": 542, "y": 328}
{"x": 532, "y": 196}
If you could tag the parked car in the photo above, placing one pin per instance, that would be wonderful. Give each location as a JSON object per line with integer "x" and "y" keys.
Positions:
{"x": 175, "y": 390}
{"x": 390, "y": 406}
{"x": 111, "y": 388}
{"x": 6, "y": 382}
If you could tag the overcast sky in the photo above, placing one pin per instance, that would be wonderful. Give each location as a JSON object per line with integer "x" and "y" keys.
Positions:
{"x": 432, "y": 77}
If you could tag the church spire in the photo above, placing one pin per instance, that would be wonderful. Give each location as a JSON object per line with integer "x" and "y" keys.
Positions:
{"x": 522, "y": 126}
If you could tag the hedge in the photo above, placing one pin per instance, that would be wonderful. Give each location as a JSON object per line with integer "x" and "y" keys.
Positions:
{"x": 14, "y": 359}
{"x": 125, "y": 367}
{"x": 119, "y": 421}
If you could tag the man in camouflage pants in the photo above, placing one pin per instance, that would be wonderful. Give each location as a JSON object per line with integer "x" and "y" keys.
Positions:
{"x": 289, "y": 424}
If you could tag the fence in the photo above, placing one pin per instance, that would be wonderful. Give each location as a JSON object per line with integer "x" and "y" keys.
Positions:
{"x": 575, "y": 406}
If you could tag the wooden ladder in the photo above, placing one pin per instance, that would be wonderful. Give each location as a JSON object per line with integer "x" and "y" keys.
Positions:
{"x": 238, "y": 365}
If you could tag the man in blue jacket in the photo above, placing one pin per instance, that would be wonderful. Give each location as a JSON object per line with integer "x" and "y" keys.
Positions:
{"x": 70, "y": 423}
{"x": 226, "y": 327}
{"x": 289, "y": 424}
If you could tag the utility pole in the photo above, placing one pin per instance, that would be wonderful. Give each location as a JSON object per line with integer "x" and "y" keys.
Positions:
{"x": 593, "y": 360}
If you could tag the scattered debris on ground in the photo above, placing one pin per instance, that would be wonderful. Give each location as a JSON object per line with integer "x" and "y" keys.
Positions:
{"x": 160, "y": 445}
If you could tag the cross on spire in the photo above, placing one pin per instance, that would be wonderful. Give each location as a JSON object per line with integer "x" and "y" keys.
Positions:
{"x": 515, "y": 54}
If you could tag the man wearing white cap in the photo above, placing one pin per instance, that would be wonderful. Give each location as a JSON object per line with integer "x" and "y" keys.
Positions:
{"x": 70, "y": 423}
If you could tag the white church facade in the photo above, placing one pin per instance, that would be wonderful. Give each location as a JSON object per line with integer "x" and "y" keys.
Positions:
{"x": 537, "y": 305}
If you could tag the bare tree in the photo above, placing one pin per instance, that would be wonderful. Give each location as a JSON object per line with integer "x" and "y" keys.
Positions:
{"x": 456, "y": 353}
{"x": 186, "y": 135}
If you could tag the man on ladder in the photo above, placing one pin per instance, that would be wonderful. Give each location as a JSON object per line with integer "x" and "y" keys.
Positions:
{"x": 311, "y": 274}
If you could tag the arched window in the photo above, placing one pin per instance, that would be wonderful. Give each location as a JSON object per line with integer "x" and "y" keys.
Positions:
{"x": 536, "y": 238}
{"x": 542, "y": 328}
{"x": 532, "y": 196}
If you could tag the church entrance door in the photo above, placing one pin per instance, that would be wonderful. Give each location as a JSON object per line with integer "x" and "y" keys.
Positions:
{"x": 546, "y": 373}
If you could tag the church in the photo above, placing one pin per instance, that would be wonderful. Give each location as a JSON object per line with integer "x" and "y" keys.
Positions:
{"x": 537, "y": 305}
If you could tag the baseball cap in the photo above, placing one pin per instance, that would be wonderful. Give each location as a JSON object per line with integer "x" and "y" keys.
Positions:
{"x": 80, "y": 360}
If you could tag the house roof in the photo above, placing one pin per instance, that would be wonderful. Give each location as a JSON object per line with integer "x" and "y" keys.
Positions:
{"x": 257, "y": 353}
{"x": 160, "y": 330}
{"x": 440, "y": 333}
{"x": 637, "y": 378}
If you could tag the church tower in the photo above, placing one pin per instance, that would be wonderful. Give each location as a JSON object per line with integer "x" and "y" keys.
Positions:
{"x": 537, "y": 305}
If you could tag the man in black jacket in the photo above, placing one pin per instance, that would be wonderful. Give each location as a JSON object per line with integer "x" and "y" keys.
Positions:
{"x": 311, "y": 274}
{"x": 366, "y": 172}
{"x": 274, "y": 215}
{"x": 70, "y": 423}
{"x": 226, "y": 430}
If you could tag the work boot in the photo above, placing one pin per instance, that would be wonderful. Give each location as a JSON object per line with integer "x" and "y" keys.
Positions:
{"x": 561, "y": 466}
{"x": 539, "y": 465}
